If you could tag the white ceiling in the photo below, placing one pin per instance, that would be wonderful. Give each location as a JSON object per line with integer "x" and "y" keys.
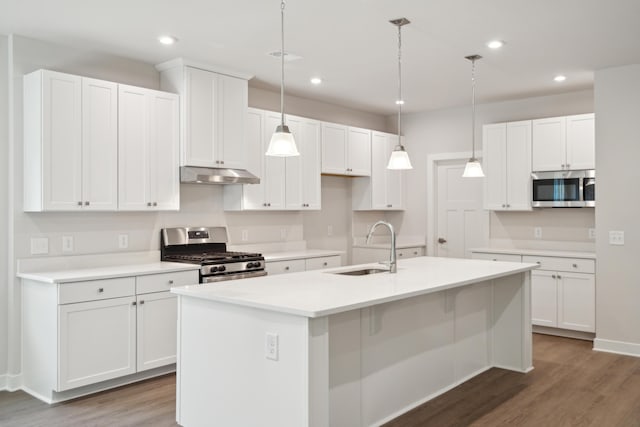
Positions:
{"x": 351, "y": 45}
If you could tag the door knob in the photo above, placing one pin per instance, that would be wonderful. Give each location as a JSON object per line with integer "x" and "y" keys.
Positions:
{"x": 442, "y": 240}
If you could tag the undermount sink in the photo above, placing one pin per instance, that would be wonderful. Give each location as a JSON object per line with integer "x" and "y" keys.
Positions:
{"x": 363, "y": 272}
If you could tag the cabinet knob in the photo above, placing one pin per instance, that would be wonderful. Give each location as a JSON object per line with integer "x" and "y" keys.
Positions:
{"x": 264, "y": 204}
{"x": 100, "y": 290}
{"x": 134, "y": 303}
{"x": 222, "y": 161}
{"x": 442, "y": 240}
{"x": 171, "y": 282}
{"x": 86, "y": 203}
{"x": 268, "y": 204}
{"x": 504, "y": 206}
{"x": 568, "y": 165}
{"x": 538, "y": 262}
{"x": 148, "y": 203}
{"x": 286, "y": 268}
{"x": 508, "y": 205}
{"x": 400, "y": 254}
{"x": 141, "y": 302}
{"x": 217, "y": 162}
{"x": 79, "y": 203}
{"x": 415, "y": 252}
{"x": 155, "y": 203}
{"x": 553, "y": 276}
{"x": 325, "y": 264}
{"x": 389, "y": 206}
{"x": 575, "y": 265}
{"x": 495, "y": 259}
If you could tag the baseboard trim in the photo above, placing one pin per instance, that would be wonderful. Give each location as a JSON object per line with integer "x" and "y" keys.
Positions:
{"x": 10, "y": 382}
{"x": 617, "y": 347}
{"x": 567, "y": 333}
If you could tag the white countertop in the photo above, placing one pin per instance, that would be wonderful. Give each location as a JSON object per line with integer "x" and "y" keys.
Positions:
{"x": 537, "y": 252}
{"x": 320, "y": 293}
{"x": 106, "y": 272}
{"x": 299, "y": 254}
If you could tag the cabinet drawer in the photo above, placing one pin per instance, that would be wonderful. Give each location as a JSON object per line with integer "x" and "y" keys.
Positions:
{"x": 577, "y": 265}
{"x": 93, "y": 290}
{"x": 497, "y": 257}
{"x": 291, "y": 266}
{"x": 323, "y": 262}
{"x": 410, "y": 252}
{"x": 165, "y": 281}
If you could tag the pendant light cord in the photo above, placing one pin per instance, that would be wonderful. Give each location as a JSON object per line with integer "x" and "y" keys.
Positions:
{"x": 473, "y": 108}
{"x": 400, "y": 101}
{"x": 282, "y": 5}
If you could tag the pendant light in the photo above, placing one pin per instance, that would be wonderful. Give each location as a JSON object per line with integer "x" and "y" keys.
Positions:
{"x": 282, "y": 143}
{"x": 473, "y": 169}
{"x": 399, "y": 158}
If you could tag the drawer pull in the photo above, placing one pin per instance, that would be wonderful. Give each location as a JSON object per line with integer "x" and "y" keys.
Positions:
{"x": 171, "y": 282}
{"x": 415, "y": 252}
{"x": 495, "y": 259}
{"x": 538, "y": 262}
{"x": 400, "y": 254}
{"x": 133, "y": 303}
{"x": 286, "y": 268}
{"x": 141, "y": 302}
{"x": 559, "y": 276}
{"x": 100, "y": 290}
{"x": 325, "y": 264}
{"x": 575, "y": 265}
{"x": 553, "y": 276}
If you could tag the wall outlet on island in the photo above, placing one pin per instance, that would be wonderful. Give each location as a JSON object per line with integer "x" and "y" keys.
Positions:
{"x": 537, "y": 232}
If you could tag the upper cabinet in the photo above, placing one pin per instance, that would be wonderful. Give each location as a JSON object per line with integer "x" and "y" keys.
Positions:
{"x": 564, "y": 143}
{"x": 214, "y": 110}
{"x": 346, "y": 150}
{"x": 286, "y": 183}
{"x": 70, "y": 143}
{"x": 507, "y": 165}
{"x": 148, "y": 149}
{"x": 384, "y": 190}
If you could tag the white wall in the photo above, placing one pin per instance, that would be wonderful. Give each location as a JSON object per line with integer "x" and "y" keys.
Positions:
{"x": 200, "y": 205}
{"x": 4, "y": 187}
{"x": 447, "y": 131}
{"x": 617, "y": 100}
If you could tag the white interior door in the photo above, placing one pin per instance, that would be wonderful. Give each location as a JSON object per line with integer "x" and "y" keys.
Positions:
{"x": 461, "y": 223}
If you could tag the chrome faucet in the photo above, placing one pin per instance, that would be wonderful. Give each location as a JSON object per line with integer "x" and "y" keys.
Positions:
{"x": 393, "y": 268}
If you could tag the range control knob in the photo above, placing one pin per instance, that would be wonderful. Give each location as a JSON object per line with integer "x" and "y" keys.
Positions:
{"x": 213, "y": 269}
{"x": 257, "y": 264}
{"x": 249, "y": 265}
{"x": 222, "y": 268}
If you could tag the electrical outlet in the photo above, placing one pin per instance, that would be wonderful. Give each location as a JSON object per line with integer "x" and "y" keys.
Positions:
{"x": 271, "y": 346}
{"x": 67, "y": 243}
{"x": 537, "y": 232}
{"x": 245, "y": 235}
{"x": 616, "y": 238}
{"x": 329, "y": 230}
{"x": 123, "y": 241}
{"x": 39, "y": 245}
{"x": 592, "y": 233}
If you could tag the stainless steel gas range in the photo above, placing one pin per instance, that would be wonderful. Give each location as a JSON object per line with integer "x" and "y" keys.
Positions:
{"x": 207, "y": 246}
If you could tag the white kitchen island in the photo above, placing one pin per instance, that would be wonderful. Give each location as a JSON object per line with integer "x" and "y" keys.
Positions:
{"x": 350, "y": 350}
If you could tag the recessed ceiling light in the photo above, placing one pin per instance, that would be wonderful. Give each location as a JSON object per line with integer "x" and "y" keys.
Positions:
{"x": 495, "y": 44}
{"x": 167, "y": 40}
{"x": 560, "y": 78}
{"x": 316, "y": 80}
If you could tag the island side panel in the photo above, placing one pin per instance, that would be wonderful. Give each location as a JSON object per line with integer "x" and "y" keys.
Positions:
{"x": 225, "y": 378}
{"x": 512, "y": 341}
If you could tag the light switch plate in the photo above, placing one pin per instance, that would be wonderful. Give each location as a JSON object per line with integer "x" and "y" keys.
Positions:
{"x": 271, "y": 346}
{"x": 616, "y": 238}
{"x": 592, "y": 233}
{"x": 39, "y": 245}
{"x": 537, "y": 232}
{"x": 67, "y": 243}
{"x": 245, "y": 235}
{"x": 123, "y": 241}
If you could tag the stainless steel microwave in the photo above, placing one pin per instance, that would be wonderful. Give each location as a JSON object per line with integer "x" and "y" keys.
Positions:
{"x": 564, "y": 189}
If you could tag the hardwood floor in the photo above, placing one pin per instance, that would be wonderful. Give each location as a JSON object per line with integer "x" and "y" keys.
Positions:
{"x": 570, "y": 386}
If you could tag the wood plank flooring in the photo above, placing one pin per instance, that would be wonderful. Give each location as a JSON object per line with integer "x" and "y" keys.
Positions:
{"x": 570, "y": 386}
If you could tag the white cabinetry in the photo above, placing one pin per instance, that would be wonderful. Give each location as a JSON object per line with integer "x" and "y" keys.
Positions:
{"x": 384, "y": 190}
{"x": 70, "y": 143}
{"x": 563, "y": 293}
{"x": 303, "y": 264}
{"x": 507, "y": 162}
{"x": 346, "y": 150}
{"x": 364, "y": 255}
{"x": 81, "y": 333}
{"x": 148, "y": 149}
{"x": 564, "y": 143}
{"x": 214, "y": 108}
{"x": 291, "y": 183}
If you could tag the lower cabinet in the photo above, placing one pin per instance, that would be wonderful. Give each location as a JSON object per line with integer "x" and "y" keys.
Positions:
{"x": 365, "y": 255}
{"x": 305, "y": 264}
{"x": 81, "y": 333}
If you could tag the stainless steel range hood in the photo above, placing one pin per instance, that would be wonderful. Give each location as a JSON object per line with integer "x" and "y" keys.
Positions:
{"x": 193, "y": 175}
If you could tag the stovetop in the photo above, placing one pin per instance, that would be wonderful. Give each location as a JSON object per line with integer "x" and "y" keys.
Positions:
{"x": 207, "y": 258}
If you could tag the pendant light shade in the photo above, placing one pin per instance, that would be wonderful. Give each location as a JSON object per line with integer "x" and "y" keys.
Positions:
{"x": 473, "y": 169}
{"x": 399, "y": 159}
{"x": 282, "y": 143}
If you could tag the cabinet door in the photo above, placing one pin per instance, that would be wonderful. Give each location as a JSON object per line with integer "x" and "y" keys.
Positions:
{"x": 156, "y": 327}
{"x": 61, "y": 141}
{"x": 99, "y": 145}
{"x": 323, "y": 262}
{"x": 274, "y": 168}
{"x": 548, "y": 144}
{"x": 294, "y": 172}
{"x": 97, "y": 341}
{"x": 494, "y": 157}
{"x": 334, "y": 149}
{"x": 581, "y": 149}
{"x": 359, "y": 152}
{"x": 310, "y": 163}
{"x": 518, "y": 166}
{"x": 133, "y": 150}
{"x": 201, "y": 110}
{"x": 253, "y": 195}
{"x": 576, "y": 301}
{"x": 544, "y": 303}
{"x": 379, "y": 158}
{"x": 283, "y": 267}
{"x": 231, "y": 118}
{"x": 164, "y": 171}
